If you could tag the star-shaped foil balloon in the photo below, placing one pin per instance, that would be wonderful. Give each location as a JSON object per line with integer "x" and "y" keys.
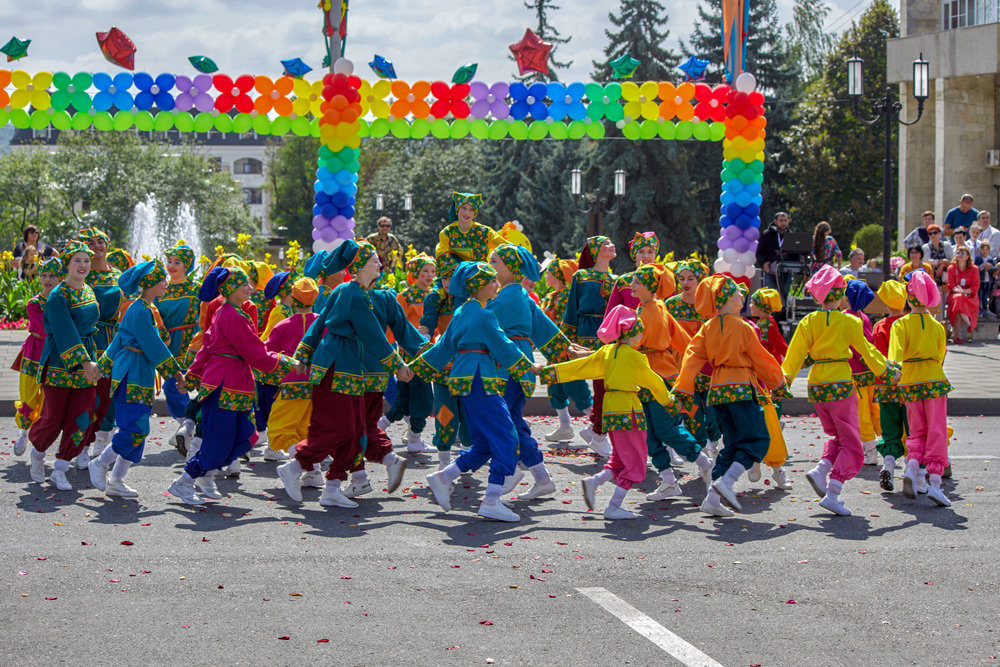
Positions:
{"x": 531, "y": 53}
{"x": 383, "y": 67}
{"x": 693, "y": 68}
{"x": 203, "y": 64}
{"x": 117, "y": 47}
{"x": 15, "y": 49}
{"x": 624, "y": 66}
{"x": 294, "y": 67}
{"x": 464, "y": 73}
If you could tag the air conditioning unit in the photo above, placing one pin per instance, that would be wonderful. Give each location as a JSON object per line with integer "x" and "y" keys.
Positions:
{"x": 993, "y": 158}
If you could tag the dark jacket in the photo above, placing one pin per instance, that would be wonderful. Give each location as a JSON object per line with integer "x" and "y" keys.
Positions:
{"x": 768, "y": 249}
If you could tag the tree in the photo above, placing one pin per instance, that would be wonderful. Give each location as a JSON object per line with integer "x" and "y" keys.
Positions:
{"x": 808, "y": 42}
{"x": 643, "y": 36}
{"x": 836, "y": 169}
{"x": 547, "y": 32}
{"x": 291, "y": 173}
{"x": 24, "y": 182}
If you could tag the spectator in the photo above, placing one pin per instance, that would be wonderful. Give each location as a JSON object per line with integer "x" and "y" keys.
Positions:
{"x": 919, "y": 236}
{"x": 825, "y": 248}
{"x": 960, "y": 238}
{"x": 856, "y": 265}
{"x": 974, "y": 232}
{"x": 963, "y": 294}
{"x": 31, "y": 238}
{"x": 938, "y": 255}
{"x": 962, "y": 215}
{"x": 987, "y": 232}
{"x": 769, "y": 253}
{"x": 29, "y": 264}
{"x": 916, "y": 255}
{"x": 986, "y": 264}
{"x": 386, "y": 244}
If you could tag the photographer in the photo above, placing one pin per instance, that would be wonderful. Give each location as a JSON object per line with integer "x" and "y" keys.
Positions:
{"x": 769, "y": 253}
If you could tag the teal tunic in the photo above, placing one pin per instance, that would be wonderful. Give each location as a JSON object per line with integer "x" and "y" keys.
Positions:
{"x": 70, "y": 319}
{"x": 390, "y": 316}
{"x": 322, "y": 295}
{"x": 179, "y": 309}
{"x": 585, "y": 305}
{"x": 109, "y": 299}
{"x": 136, "y": 353}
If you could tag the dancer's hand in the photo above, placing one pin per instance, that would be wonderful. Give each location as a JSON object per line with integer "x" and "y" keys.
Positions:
{"x": 404, "y": 374}
{"x": 424, "y": 330}
{"x": 181, "y": 385}
{"x": 578, "y": 351}
{"x": 536, "y": 369}
{"x": 91, "y": 372}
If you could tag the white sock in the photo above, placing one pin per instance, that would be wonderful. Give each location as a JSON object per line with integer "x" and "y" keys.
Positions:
{"x": 389, "y": 459}
{"x": 492, "y": 494}
{"x": 889, "y": 463}
{"x": 912, "y": 465}
{"x": 540, "y": 473}
{"x": 824, "y": 467}
{"x": 703, "y": 462}
{"x": 359, "y": 477}
{"x": 189, "y": 425}
{"x": 107, "y": 457}
{"x": 37, "y": 455}
{"x": 563, "y": 417}
{"x": 617, "y": 497}
{"x": 668, "y": 476}
{"x": 833, "y": 488}
{"x": 713, "y": 497}
{"x": 935, "y": 481}
{"x": 604, "y": 476}
{"x": 332, "y": 486}
{"x": 120, "y": 470}
{"x": 295, "y": 466}
{"x": 733, "y": 474}
{"x": 444, "y": 458}
{"x": 450, "y": 473}
{"x": 185, "y": 479}
{"x": 61, "y": 465}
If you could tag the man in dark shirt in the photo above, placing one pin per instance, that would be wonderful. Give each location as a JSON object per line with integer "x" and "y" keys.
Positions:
{"x": 963, "y": 215}
{"x": 769, "y": 253}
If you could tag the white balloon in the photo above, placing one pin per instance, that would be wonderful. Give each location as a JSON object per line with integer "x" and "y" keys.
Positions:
{"x": 751, "y": 271}
{"x": 721, "y": 266}
{"x": 334, "y": 244}
{"x": 343, "y": 66}
{"x": 746, "y": 82}
{"x": 738, "y": 269}
{"x": 729, "y": 256}
{"x": 748, "y": 257}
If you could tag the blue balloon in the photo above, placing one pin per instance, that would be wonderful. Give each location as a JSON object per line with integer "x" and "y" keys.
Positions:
{"x": 347, "y": 211}
{"x": 339, "y": 200}
{"x": 322, "y": 174}
{"x": 322, "y": 198}
{"x": 743, "y": 198}
{"x": 755, "y": 222}
{"x": 351, "y": 190}
{"x": 742, "y": 222}
{"x": 318, "y": 187}
{"x": 735, "y": 187}
{"x": 734, "y": 210}
{"x": 316, "y": 210}
{"x": 726, "y": 221}
{"x": 328, "y": 187}
{"x": 328, "y": 211}
{"x": 726, "y": 198}
{"x": 752, "y": 210}
{"x": 756, "y": 199}
{"x": 753, "y": 187}
{"x": 343, "y": 177}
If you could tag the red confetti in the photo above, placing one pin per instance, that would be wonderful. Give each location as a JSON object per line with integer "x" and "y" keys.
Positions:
{"x": 126, "y": 543}
{"x": 322, "y": 641}
{"x": 791, "y": 602}
{"x": 52, "y": 598}
{"x": 205, "y": 539}
{"x": 345, "y": 577}
{"x": 284, "y": 637}
{"x": 485, "y": 622}
{"x": 85, "y": 544}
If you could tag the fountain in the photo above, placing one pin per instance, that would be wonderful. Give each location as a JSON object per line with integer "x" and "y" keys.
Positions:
{"x": 152, "y": 232}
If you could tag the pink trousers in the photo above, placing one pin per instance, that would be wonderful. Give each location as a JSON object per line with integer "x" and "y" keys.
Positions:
{"x": 844, "y": 450}
{"x": 927, "y": 443}
{"x": 628, "y": 457}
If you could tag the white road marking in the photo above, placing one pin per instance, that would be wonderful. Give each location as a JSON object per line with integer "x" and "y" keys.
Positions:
{"x": 969, "y": 457}
{"x": 650, "y": 629}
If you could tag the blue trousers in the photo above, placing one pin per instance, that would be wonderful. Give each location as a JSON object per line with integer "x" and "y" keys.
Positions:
{"x": 448, "y": 422}
{"x": 266, "y": 393}
{"x": 744, "y": 433}
{"x": 414, "y": 399}
{"x": 527, "y": 446}
{"x": 578, "y": 390}
{"x": 492, "y": 432}
{"x": 666, "y": 430}
{"x": 132, "y": 420}
{"x": 226, "y": 437}
{"x": 390, "y": 390}
{"x": 176, "y": 400}
{"x": 705, "y": 425}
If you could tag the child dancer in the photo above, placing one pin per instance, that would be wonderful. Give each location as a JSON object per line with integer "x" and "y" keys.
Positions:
{"x": 526, "y": 325}
{"x": 625, "y": 371}
{"x": 918, "y": 342}
{"x": 892, "y": 412}
{"x": 859, "y": 295}
{"x": 279, "y": 286}
{"x": 179, "y": 309}
{"x": 279, "y": 290}
{"x": 313, "y": 268}
{"x": 222, "y": 371}
{"x": 333, "y": 349}
{"x": 259, "y": 273}
{"x": 477, "y": 349}
{"x": 642, "y": 250}
{"x": 135, "y": 356}
{"x": 730, "y": 346}
{"x": 464, "y": 237}
{"x": 558, "y": 274}
{"x": 826, "y": 336}
{"x": 585, "y": 306}
{"x": 26, "y": 364}
{"x": 664, "y": 342}
{"x": 67, "y": 368}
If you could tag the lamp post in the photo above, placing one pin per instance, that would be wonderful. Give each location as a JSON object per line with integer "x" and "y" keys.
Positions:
{"x": 407, "y": 204}
{"x": 597, "y": 201}
{"x": 887, "y": 109}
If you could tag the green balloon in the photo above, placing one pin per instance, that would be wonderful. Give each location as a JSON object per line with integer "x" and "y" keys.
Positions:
{"x": 60, "y": 100}
{"x": 61, "y": 120}
{"x": 479, "y": 128}
{"x": 701, "y": 131}
{"x": 363, "y": 129}
{"x": 576, "y": 129}
{"x": 685, "y": 129}
{"x": 81, "y": 121}
{"x": 717, "y": 131}
{"x": 261, "y": 124}
{"x": 440, "y": 129}
{"x": 40, "y": 119}
{"x": 399, "y": 128}
{"x": 104, "y": 122}
{"x": 518, "y": 130}
{"x": 280, "y": 126}
{"x": 143, "y": 120}
{"x": 538, "y": 130}
{"x": 667, "y": 130}
{"x": 735, "y": 166}
{"x": 747, "y": 176}
{"x": 757, "y": 165}
{"x": 19, "y": 118}
{"x": 420, "y": 128}
{"x": 324, "y": 152}
{"x": 204, "y": 122}
{"x": 558, "y": 130}
{"x": 379, "y": 127}
{"x": 123, "y": 120}
{"x": 499, "y": 129}
{"x": 182, "y": 121}
{"x": 595, "y": 130}
{"x": 649, "y": 129}
{"x": 300, "y": 126}
{"x": 759, "y": 178}
{"x": 4, "y": 117}
{"x": 314, "y": 128}
{"x": 631, "y": 130}
{"x": 459, "y": 128}
{"x": 223, "y": 123}
{"x": 727, "y": 175}
{"x": 162, "y": 122}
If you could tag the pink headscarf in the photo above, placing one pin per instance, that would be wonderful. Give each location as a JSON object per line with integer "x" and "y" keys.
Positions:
{"x": 824, "y": 280}
{"x": 922, "y": 288}
{"x": 620, "y": 322}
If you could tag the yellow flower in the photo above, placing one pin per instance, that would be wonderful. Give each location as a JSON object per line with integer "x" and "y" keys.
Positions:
{"x": 7, "y": 256}
{"x": 391, "y": 280}
{"x": 669, "y": 257}
{"x": 219, "y": 251}
{"x": 145, "y": 257}
{"x": 204, "y": 261}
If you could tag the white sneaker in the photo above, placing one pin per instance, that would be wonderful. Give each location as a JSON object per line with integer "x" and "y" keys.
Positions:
{"x": 937, "y": 495}
{"x": 36, "y": 469}
{"x": 834, "y": 505}
{"x": 355, "y": 489}
{"x": 193, "y": 448}
{"x": 560, "y": 435}
{"x": 754, "y": 473}
{"x": 589, "y": 487}
{"x": 180, "y": 439}
{"x": 383, "y": 422}
{"x": 441, "y": 491}
{"x": 715, "y": 510}
{"x": 101, "y": 440}
{"x": 664, "y": 490}
{"x": 511, "y": 481}
{"x": 615, "y": 513}
{"x": 922, "y": 485}
{"x": 21, "y": 444}
{"x": 274, "y": 455}
{"x": 206, "y": 484}
{"x": 58, "y": 477}
{"x": 712, "y": 448}
{"x": 233, "y": 469}
{"x": 416, "y": 445}
{"x": 817, "y": 482}
{"x": 83, "y": 460}
{"x": 538, "y": 491}
{"x": 727, "y": 493}
{"x": 314, "y": 479}
{"x": 119, "y": 489}
{"x": 497, "y": 512}
{"x": 780, "y": 480}
{"x": 909, "y": 484}
{"x": 335, "y": 498}
{"x": 676, "y": 460}
{"x": 587, "y": 434}
{"x": 292, "y": 482}
{"x": 262, "y": 438}
{"x": 871, "y": 453}
{"x": 601, "y": 445}
{"x": 98, "y": 475}
{"x": 185, "y": 492}
{"x": 395, "y": 470}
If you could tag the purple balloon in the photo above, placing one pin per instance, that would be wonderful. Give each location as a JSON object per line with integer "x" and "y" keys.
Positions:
{"x": 725, "y": 243}
{"x": 753, "y": 246}
{"x": 741, "y": 245}
{"x": 731, "y": 232}
{"x": 315, "y": 234}
{"x": 751, "y": 234}
{"x": 327, "y": 234}
{"x": 339, "y": 223}
{"x": 319, "y": 222}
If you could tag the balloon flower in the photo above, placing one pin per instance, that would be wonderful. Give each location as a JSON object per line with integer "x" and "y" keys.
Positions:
{"x": 624, "y": 66}
{"x": 294, "y": 67}
{"x": 382, "y": 67}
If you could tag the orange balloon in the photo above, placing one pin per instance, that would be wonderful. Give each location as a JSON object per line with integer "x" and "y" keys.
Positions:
{"x": 331, "y": 117}
{"x": 349, "y": 115}
{"x": 738, "y": 123}
{"x": 685, "y": 111}
{"x": 339, "y": 102}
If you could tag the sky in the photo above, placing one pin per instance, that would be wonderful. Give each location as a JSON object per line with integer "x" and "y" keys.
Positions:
{"x": 425, "y": 39}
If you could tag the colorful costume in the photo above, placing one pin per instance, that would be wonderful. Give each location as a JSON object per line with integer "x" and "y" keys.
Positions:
{"x": 278, "y": 286}
{"x": 892, "y": 412}
{"x": 554, "y": 305}
{"x": 179, "y": 309}
{"x": 859, "y": 295}
{"x": 473, "y": 245}
{"x": 621, "y": 294}
{"x": 29, "y": 406}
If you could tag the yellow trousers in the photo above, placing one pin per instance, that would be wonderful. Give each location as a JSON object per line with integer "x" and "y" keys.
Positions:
{"x": 868, "y": 414}
{"x": 30, "y": 405}
{"x": 289, "y": 422}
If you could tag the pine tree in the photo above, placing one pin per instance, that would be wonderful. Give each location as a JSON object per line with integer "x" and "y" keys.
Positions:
{"x": 643, "y": 36}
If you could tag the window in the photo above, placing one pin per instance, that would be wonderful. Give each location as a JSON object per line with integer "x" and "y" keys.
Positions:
{"x": 252, "y": 196}
{"x": 248, "y": 165}
{"x": 958, "y": 14}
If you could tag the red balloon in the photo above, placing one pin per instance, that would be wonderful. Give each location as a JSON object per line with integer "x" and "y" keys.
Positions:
{"x": 531, "y": 53}
{"x": 757, "y": 98}
{"x": 117, "y": 47}
{"x": 354, "y": 81}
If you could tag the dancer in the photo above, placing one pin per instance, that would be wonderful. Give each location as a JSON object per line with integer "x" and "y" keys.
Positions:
{"x": 223, "y": 374}
{"x": 858, "y": 295}
{"x": 313, "y": 268}
{"x": 333, "y": 349}
{"x": 464, "y": 237}
{"x": 179, "y": 309}
{"x": 558, "y": 275}
{"x": 259, "y": 273}
{"x": 279, "y": 286}
{"x": 740, "y": 364}
{"x": 67, "y": 368}
{"x": 135, "y": 356}
{"x": 29, "y": 407}
{"x": 642, "y": 250}
{"x": 625, "y": 371}
{"x": 585, "y": 306}
{"x": 279, "y": 290}
{"x": 918, "y": 342}
{"x": 826, "y": 336}
{"x": 892, "y": 412}
{"x": 477, "y": 349}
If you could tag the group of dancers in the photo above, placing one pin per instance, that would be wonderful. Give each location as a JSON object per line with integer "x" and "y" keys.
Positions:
{"x": 686, "y": 367}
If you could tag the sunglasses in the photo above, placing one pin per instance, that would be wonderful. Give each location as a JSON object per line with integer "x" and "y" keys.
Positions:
{"x": 934, "y": 233}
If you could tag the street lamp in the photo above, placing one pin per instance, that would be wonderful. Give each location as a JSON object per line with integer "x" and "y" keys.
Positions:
{"x": 887, "y": 109}
{"x": 407, "y": 203}
{"x": 597, "y": 201}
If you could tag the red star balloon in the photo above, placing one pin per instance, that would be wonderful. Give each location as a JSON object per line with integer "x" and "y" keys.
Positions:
{"x": 531, "y": 53}
{"x": 117, "y": 47}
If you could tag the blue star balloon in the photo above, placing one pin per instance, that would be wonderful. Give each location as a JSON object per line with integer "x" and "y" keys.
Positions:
{"x": 295, "y": 68}
{"x": 693, "y": 68}
{"x": 383, "y": 67}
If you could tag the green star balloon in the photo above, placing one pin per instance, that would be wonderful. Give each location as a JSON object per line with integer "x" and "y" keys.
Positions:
{"x": 464, "y": 73}
{"x": 203, "y": 64}
{"x": 15, "y": 49}
{"x": 624, "y": 66}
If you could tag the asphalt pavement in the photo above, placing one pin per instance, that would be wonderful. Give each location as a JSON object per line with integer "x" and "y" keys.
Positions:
{"x": 256, "y": 579}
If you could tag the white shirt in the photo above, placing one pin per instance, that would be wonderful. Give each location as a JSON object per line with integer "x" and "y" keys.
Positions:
{"x": 991, "y": 234}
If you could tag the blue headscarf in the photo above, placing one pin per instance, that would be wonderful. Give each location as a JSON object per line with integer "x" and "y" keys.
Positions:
{"x": 210, "y": 286}
{"x": 314, "y": 265}
{"x": 144, "y": 274}
{"x": 275, "y": 283}
{"x": 859, "y": 294}
{"x": 468, "y": 278}
{"x": 520, "y": 261}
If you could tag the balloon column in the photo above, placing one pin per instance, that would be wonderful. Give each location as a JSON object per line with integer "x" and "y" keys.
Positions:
{"x": 742, "y": 175}
{"x": 337, "y": 174}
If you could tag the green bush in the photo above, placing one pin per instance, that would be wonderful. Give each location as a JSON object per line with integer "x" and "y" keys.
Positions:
{"x": 869, "y": 239}
{"x": 14, "y": 295}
